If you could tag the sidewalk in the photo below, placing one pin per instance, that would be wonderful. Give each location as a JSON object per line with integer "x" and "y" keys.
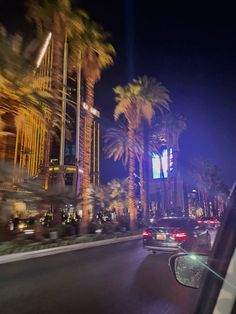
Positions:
{"x": 15, "y": 257}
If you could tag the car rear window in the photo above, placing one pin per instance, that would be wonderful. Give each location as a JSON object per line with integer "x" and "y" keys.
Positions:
{"x": 171, "y": 222}
{"x": 208, "y": 218}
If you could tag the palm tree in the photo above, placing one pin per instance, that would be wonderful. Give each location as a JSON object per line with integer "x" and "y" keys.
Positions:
{"x": 99, "y": 199}
{"x": 96, "y": 55}
{"x": 173, "y": 126}
{"x": 117, "y": 191}
{"x": 138, "y": 101}
{"x": 58, "y": 18}
{"x": 165, "y": 133}
{"x": 117, "y": 146}
{"x": 211, "y": 187}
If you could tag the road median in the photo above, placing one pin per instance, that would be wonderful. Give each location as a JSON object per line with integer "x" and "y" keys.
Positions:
{"x": 14, "y": 257}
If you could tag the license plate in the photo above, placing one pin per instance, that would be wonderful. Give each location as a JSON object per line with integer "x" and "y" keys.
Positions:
{"x": 160, "y": 236}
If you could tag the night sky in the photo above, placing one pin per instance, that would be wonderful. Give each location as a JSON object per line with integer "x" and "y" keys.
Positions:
{"x": 189, "y": 47}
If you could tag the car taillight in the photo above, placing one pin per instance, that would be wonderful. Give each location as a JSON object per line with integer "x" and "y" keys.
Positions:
{"x": 179, "y": 236}
{"x": 212, "y": 221}
{"x": 199, "y": 221}
{"x": 147, "y": 233}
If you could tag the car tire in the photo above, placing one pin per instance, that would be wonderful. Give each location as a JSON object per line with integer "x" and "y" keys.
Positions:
{"x": 153, "y": 252}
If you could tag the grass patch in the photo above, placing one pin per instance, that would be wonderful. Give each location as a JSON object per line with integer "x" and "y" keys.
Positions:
{"x": 13, "y": 247}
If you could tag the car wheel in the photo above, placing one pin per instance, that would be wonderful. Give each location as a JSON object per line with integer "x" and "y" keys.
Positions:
{"x": 153, "y": 252}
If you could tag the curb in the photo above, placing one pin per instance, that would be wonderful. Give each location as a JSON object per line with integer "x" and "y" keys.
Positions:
{"x": 15, "y": 257}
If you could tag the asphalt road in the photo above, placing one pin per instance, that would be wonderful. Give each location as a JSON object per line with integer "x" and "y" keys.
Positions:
{"x": 115, "y": 279}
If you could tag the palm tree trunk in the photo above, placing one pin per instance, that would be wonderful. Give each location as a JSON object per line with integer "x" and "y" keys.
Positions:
{"x": 214, "y": 205}
{"x": 131, "y": 194}
{"x": 205, "y": 203}
{"x": 146, "y": 172}
{"x": 87, "y": 154}
{"x": 175, "y": 161}
{"x": 164, "y": 187}
{"x": 120, "y": 209}
{"x": 142, "y": 195}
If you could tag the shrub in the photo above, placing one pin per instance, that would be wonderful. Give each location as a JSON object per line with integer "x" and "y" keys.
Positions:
{"x": 64, "y": 230}
{"x": 92, "y": 227}
{"x": 123, "y": 222}
{"x": 45, "y": 232}
{"x": 109, "y": 228}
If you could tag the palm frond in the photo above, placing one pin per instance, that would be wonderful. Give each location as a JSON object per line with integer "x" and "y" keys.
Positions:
{"x": 117, "y": 145}
{"x": 139, "y": 99}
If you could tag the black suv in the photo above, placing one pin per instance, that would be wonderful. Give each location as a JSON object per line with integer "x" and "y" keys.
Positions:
{"x": 172, "y": 233}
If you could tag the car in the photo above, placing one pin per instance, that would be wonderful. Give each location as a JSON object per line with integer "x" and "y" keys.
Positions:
{"x": 214, "y": 274}
{"x": 210, "y": 222}
{"x": 174, "y": 234}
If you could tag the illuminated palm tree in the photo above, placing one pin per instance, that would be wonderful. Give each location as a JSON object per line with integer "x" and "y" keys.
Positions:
{"x": 117, "y": 147}
{"x": 96, "y": 55}
{"x": 58, "y": 18}
{"x": 118, "y": 196}
{"x": 138, "y": 101}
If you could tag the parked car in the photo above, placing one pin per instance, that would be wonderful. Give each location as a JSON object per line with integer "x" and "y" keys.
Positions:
{"x": 174, "y": 233}
{"x": 214, "y": 275}
{"x": 210, "y": 222}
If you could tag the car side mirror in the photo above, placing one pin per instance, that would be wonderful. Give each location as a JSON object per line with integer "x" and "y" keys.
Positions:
{"x": 188, "y": 269}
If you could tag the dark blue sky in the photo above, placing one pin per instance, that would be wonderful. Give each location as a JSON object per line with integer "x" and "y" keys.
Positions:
{"x": 192, "y": 51}
{"x": 189, "y": 47}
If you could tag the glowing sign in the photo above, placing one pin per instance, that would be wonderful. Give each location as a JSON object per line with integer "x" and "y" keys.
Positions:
{"x": 162, "y": 165}
{"x": 70, "y": 168}
{"x": 94, "y": 111}
{"x": 164, "y": 160}
{"x": 44, "y": 49}
{"x": 171, "y": 161}
{"x": 156, "y": 166}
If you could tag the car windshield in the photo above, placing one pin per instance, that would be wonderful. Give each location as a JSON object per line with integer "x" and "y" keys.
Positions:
{"x": 117, "y": 151}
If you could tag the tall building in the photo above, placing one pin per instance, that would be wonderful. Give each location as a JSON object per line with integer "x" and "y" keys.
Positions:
{"x": 31, "y": 146}
{"x": 7, "y": 141}
{"x": 166, "y": 184}
{"x": 66, "y": 158}
{"x": 25, "y": 147}
{"x": 166, "y": 188}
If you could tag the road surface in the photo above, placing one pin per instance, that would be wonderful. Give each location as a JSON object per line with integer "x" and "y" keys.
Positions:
{"x": 115, "y": 279}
